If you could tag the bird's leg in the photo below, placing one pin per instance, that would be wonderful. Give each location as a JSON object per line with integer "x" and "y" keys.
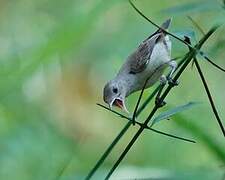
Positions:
{"x": 158, "y": 102}
{"x": 173, "y": 66}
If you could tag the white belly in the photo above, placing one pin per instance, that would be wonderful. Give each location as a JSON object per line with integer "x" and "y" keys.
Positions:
{"x": 157, "y": 63}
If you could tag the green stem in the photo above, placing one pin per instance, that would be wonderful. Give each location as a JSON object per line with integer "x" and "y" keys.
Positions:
{"x": 147, "y": 127}
{"x": 108, "y": 150}
{"x": 119, "y": 136}
{"x": 209, "y": 96}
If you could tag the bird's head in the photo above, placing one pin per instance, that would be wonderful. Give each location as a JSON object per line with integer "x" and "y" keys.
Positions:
{"x": 114, "y": 94}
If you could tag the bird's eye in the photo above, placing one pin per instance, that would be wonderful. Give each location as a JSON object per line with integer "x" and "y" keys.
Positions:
{"x": 115, "y": 90}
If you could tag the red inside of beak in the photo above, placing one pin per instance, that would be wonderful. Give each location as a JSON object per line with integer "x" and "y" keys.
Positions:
{"x": 118, "y": 103}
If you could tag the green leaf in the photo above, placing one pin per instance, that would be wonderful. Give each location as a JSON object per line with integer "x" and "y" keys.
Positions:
{"x": 171, "y": 112}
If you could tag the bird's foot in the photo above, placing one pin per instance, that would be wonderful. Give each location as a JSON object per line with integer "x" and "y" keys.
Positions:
{"x": 159, "y": 103}
{"x": 172, "y": 83}
{"x": 163, "y": 80}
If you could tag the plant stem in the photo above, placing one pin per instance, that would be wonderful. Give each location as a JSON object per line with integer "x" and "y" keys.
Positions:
{"x": 108, "y": 150}
{"x": 147, "y": 127}
{"x": 119, "y": 136}
{"x": 209, "y": 96}
{"x": 208, "y": 91}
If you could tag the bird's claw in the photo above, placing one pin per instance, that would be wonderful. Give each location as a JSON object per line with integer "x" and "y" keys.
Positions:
{"x": 172, "y": 83}
{"x": 159, "y": 102}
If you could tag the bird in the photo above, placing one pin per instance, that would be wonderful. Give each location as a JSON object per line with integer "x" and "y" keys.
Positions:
{"x": 146, "y": 63}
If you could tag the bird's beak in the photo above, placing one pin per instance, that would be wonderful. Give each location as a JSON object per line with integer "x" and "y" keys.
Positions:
{"x": 119, "y": 103}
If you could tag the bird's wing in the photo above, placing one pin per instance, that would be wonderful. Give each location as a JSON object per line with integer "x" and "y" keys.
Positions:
{"x": 139, "y": 60}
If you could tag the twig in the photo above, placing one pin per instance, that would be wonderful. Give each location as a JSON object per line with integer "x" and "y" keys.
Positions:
{"x": 165, "y": 31}
{"x": 147, "y": 101}
{"x": 196, "y": 25}
{"x": 209, "y": 96}
{"x": 119, "y": 136}
{"x": 108, "y": 150}
{"x": 174, "y": 36}
{"x": 170, "y": 135}
{"x": 147, "y": 127}
{"x": 202, "y": 53}
{"x": 115, "y": 112}
{"x": 208, "y": 92}
{"x": 211, "y": 62}
{"x": 138, "y": 102}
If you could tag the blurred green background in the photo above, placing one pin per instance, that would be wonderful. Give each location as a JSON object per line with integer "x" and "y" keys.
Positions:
{"x": 56, "y": 56}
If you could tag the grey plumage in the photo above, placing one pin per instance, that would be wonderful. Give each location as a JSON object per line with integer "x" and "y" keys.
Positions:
{"x": 147, "y": 61}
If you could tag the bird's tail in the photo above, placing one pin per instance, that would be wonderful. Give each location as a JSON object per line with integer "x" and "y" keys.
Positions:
{"x": 166, "y": 24}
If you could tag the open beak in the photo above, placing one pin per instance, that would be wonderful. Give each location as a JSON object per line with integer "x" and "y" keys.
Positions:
{"x": 120, "y": 104}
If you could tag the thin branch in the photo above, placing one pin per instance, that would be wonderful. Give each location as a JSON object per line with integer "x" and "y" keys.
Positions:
{"x": 211, "y": 62}
{"x": 196, "y": 25}
{"x": 108, "y": 150}
{"x": 170, "y": 135}
{"x": 207, "y": 91}
{"x": 154, "y": 24}
{"x": 209, "y": 96}
{"x": 147, "y": 101}
{"x": 119, "y": 136}
{"x": 202, "y": 53}
{"x": 147, "y": 127}
{"x": 115, "y": 112}
{"x": 138, "y": 102}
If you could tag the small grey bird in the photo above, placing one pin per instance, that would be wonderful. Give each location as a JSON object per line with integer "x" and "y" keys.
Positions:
{"x": 148, "y": 61}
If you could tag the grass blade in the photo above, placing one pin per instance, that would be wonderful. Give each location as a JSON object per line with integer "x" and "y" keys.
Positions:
{"x": 108, "y": 150}
{"x": 154, "y": 24}
{"x": 209, "y": 96}
{"x": 170, "y": 135}
{"x": 211, "y": 62}
{"x": 202, "y": 53}
{"x": 173, "y": 111}
{"x": 124, "y": 130}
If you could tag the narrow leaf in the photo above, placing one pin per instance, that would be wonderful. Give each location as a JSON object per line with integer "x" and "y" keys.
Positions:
{"x": 209, "y": 96}
{"x": 202, "y": 54}
{"x": 171, "y": 112}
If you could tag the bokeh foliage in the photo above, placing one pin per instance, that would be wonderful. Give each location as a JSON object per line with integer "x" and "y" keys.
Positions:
{"x": 55, "y": 57}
